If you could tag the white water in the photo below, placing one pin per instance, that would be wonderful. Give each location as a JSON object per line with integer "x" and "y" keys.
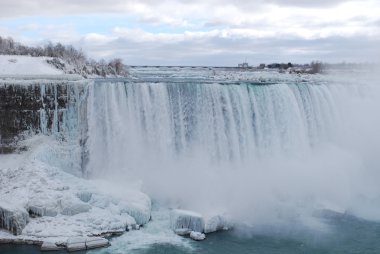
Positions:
{"x": 262, "y": 153}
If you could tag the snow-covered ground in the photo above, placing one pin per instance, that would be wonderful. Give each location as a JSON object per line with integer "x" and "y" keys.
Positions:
{"x": 26, "y": 65}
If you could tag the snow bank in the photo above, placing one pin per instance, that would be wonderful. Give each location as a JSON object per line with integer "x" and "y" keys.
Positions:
{"x": 26, "y": 65}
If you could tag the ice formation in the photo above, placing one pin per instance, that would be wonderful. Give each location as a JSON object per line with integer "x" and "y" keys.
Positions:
{"x": 61, "y": 205}
{"x": 12, "y": 217}
{"x": 188, "y": 220}
{"x": 197, "y": 236}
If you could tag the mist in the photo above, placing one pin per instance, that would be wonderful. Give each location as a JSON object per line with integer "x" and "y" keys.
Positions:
{"x": 272, "y": 155}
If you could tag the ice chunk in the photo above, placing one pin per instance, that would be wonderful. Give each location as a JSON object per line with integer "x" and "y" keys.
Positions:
{"x": 96, "y": 242}
{"x": 42, "y": 206}
{"x": 216, "y": 223}
{"x": 48, "y": 246}
{"x": 76, "y": 243}
{"x": 76, "y": 208}
{"x": 197, "y": 236}
{"x": 139, "y": 211}
{"x": 13, "y": 218}
{"x": 186, "y": 219}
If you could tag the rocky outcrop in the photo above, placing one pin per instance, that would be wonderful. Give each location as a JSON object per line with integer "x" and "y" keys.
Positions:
{"x": 37, "y": 106}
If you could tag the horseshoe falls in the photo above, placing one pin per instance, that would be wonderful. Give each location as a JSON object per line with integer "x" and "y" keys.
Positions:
{"x": 277, "y": 157}
{"x": 288, "y": 163}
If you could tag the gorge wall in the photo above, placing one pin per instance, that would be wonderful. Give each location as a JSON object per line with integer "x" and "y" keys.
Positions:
{"x": 40, "y": 107}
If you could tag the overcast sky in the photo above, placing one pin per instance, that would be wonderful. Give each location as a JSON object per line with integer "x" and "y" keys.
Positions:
{"x": 201, "y": 32}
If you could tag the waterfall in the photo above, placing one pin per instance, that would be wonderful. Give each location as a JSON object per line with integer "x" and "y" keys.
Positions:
{"x": 222, "y": 123}
{"x": 242, "y": 147}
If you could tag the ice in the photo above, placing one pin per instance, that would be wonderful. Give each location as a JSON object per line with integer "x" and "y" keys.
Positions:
{"x": 216, "y": 223}
{"x": 83, "y": 243}
{"x": 76, "y": 243}
{"x": 140, "y": 212}
{"x": 60, "y": 204}
{"x": 12, "y": 218}
{"x": 186, "y": 220}
{"x": 42, "y": 207}
{"x": 96, "y": 242}
{"x": 76, "y": 208}
{"x": 182, "y": 231}
{"x": 157, "y": 231}
{"x": 95, "y": 222}
{"x": 85, "y": 196}
{"x": 197, "y": 236}
{"x": 49, "y": 246}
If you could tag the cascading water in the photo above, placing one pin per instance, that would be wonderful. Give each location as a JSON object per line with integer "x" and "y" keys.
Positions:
{"x": 224, "y": 123}
{"x": 257, "y": 151}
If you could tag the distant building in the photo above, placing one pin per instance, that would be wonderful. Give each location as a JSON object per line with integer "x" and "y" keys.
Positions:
{"x": 261, "y": 66}
{"x": 243, "y": 65}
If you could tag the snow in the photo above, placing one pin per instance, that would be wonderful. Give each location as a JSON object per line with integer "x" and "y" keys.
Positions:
{"x": 49, "y": 246}
{"x": 26, "y": 65}
{"x": 182, "y": 231}
{"x": 62, "y": 205}
{"x": 96, "y": 242}
{"x": 75, "y": 244}
{"x": 157, "y": 231}
{"x": 197, "y": 236}
{"x": 12, "y": 217}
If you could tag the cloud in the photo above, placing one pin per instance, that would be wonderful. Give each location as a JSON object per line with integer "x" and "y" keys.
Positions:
{"x": 217, "y": 32}
{"x": 224, "y": 48}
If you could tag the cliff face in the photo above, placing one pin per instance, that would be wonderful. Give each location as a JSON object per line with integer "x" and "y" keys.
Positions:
{"x": 46, "y": 107}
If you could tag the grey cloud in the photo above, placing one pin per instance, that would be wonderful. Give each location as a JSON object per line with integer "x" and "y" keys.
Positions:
{"x": 308, "y": 3}
{"x": 213, "y": 49}
{"x": 17, "y": 8}
{"x": 219, "y": 51}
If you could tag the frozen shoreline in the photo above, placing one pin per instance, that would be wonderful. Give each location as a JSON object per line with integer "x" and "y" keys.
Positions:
{"x": 57, "y": 206}
{"x": 61, "y": 207}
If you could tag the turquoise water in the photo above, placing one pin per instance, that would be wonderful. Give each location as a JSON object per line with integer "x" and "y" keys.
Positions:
{"x": 344, "y": 234}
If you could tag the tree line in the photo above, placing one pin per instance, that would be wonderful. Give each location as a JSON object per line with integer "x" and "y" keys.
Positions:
{"x": 66, "y": 58}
